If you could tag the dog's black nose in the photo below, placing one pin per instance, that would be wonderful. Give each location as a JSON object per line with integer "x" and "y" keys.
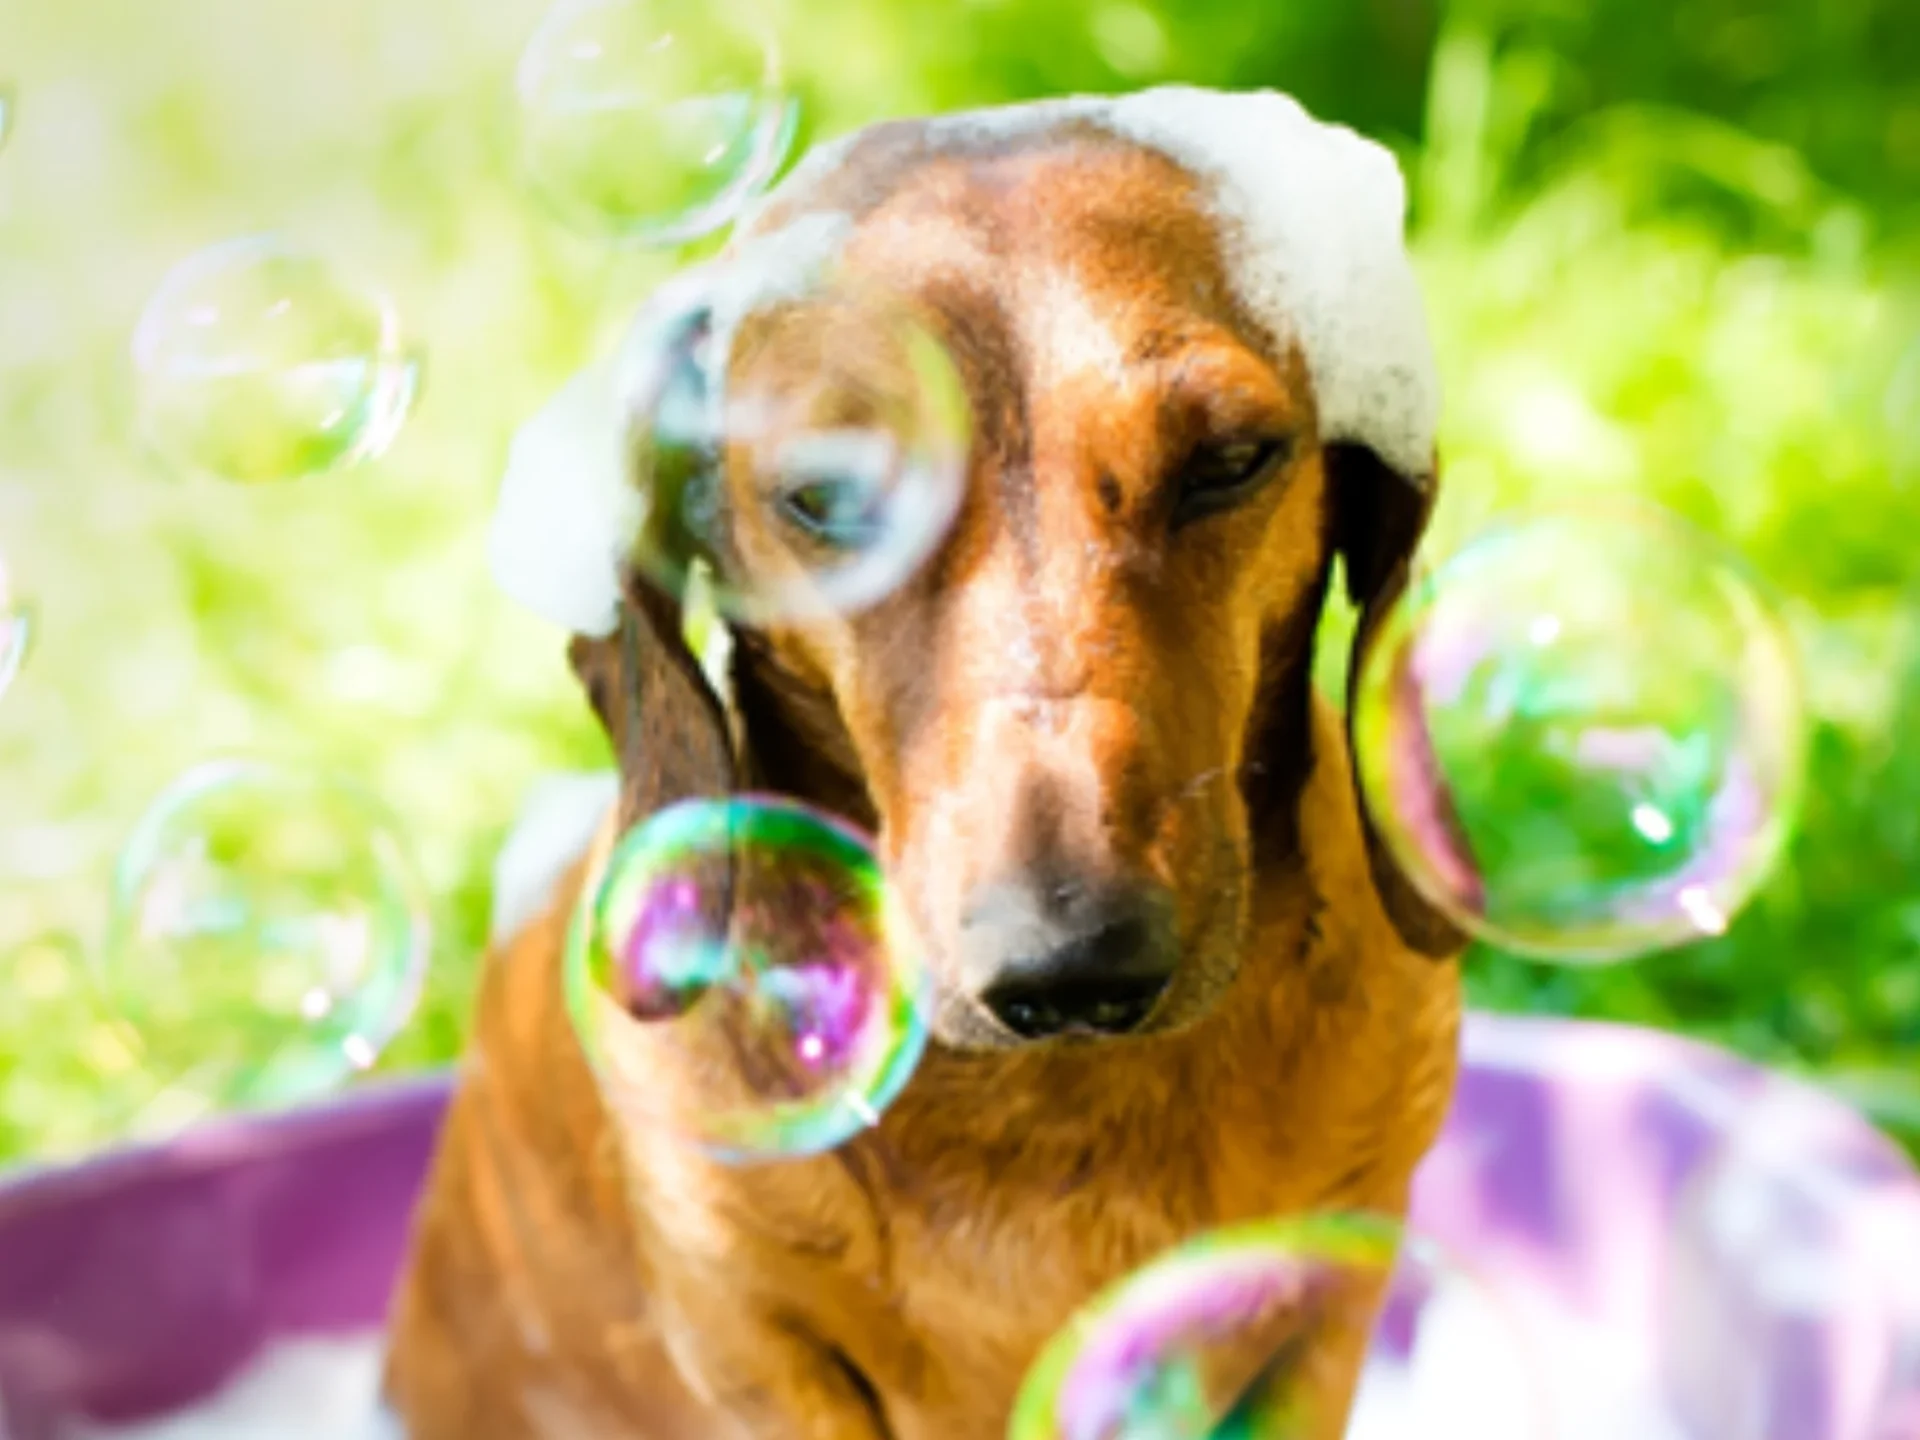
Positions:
{"x": 1089, "y": 964}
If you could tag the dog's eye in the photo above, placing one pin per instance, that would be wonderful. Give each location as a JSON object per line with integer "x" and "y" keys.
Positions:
{"x": 1218, "y": 476}
{"x": 833, "y": 487}
{"x": 834, "y": 512}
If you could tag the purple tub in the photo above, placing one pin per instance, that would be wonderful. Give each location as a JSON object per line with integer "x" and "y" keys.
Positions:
{"x": 1671, "y": 1245}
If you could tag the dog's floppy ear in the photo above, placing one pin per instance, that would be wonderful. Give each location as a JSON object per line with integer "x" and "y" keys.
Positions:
{"x": 669, "y": 729}
{"x": 1379, "y": 515}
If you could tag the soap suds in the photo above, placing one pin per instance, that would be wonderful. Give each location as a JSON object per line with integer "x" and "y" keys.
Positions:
{"x": 562, "y": 523}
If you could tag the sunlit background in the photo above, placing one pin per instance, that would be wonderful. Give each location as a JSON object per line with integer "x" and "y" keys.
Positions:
{"x": 1667, "y": 252}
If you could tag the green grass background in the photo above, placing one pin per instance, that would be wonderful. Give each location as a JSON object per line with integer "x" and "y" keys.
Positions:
{"x": 1667, "y": 247}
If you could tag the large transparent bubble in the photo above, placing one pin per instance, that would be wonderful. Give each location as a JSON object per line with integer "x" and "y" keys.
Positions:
{"x": 1582, "y": 736}
{"x": 268, "y": 933}
{"x": 257, "y": 360}
{"x": 802, "y": 445}
{"x": 652, "y": 121}
{"x": 741, "y": 972}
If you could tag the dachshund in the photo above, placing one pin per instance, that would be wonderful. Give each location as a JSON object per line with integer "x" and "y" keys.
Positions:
{"x": 1178, "y": 981}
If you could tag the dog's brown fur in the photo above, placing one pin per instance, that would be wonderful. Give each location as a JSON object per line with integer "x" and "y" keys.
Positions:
{"x": 1070, "y": 682}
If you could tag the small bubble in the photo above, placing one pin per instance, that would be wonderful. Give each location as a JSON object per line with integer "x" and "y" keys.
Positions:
{"x": 268, "y": 933}
{"x": 652, "y": 122}
{"x": 752, "y": 949}
{"x": 256, "y": 361}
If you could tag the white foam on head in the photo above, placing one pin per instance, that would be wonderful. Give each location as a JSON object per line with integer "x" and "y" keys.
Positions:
{"x": 1314, "y": 229}
{"x": 565, "y": 515}
{"x": 1311, "y": 221}
{"x": 567, "y": 512}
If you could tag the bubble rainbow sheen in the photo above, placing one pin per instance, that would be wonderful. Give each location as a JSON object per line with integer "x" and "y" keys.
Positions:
{"x": 809, "y": 454}
{"x": 1209, "y": 1342}
{"x": 1582, "y": 737}
{"x": 758, "y": 940}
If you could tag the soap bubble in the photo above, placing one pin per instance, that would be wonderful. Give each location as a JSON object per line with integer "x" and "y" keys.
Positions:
{"x": 1582, "y": 735}
{"x": 750, "y": 951}
{"x": 806, "y": 448}
{"x": 1791, "y": 1302}
{"x": 652, "y": 121}
{"x": 8, "y": 105}
{"x": 1215, "y": 1340}
{"x": 1449, "y": 1357}
{"x": 268, "y": 933}
{"x": 16, "y": 629}
{"x": 258, "y": 361}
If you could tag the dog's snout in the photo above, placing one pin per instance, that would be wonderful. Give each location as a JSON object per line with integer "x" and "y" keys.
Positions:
{"x": 1094, "y": 964}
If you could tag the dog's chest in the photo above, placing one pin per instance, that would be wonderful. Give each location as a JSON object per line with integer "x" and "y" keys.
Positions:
{"x": 990, "y": 1244}
{"x": 979, "y": 1288}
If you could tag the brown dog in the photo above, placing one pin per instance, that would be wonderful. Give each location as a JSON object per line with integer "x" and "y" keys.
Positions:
{"x": 1179, "y": 985}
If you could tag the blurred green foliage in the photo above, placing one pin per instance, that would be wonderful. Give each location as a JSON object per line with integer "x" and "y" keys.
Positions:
{"x": 1667, "y": 250}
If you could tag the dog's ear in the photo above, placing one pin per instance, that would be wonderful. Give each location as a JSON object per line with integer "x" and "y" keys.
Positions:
{"x": 1379, "y": 515}
{"x": 669, "y": 729}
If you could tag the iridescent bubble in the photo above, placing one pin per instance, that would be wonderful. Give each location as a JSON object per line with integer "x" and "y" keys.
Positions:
{"x": 750, "y": 951}
{"x": 806, "y": 447}
{"x": 652, "y": 121}
{"x": 268, "y": 933}
{"x": 258, "y": 361}
{"x": 1215, "y": 1340}
{"x": 1449, "y": 1358}
{"x": 1582, "y": 736}
{"x": 1791, "y": 1296}
{"x": 8, "y": 106}
{"x": 16, "y": 628}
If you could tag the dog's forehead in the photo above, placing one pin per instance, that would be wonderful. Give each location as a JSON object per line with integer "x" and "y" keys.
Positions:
{"x": 1079, "y": 249}
{"x": 1307, "y": 219}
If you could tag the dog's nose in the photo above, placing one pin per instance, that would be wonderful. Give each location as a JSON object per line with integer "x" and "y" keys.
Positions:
{"x": 1092, "y": 964}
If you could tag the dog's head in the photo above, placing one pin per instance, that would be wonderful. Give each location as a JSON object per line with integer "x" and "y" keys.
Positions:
{"x": 1197, "y": 372}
